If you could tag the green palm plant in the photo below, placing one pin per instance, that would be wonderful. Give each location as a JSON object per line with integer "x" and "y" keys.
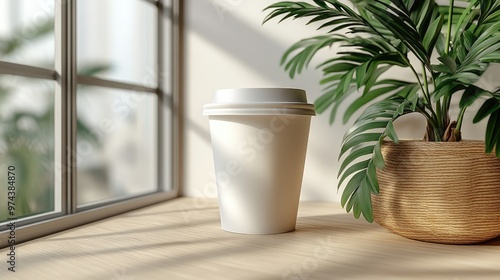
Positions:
{"x": 446, "y": 46}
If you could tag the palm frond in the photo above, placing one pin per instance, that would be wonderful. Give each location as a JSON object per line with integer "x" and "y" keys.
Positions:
{"x": 476, "y": 44}
{"x": 337, "y": 14}
{"x": 398, "y": 21}
{"x": 364, "y": 140}
{"x": 360, "y": 67}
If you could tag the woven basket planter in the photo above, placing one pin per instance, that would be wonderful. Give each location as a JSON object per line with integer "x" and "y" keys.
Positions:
{"x": 439, "y": 192}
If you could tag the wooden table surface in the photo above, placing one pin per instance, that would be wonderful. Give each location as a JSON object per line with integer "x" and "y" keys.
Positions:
{"x": 182, "y": 239}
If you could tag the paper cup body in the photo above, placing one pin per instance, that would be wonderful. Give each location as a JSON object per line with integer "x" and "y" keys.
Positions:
{"x": 259, "y": 147}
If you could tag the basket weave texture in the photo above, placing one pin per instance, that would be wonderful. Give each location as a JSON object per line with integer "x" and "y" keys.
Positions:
{"x": 443, "y": 192}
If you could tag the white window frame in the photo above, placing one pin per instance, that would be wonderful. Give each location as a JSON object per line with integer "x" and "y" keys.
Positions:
{"x": 66, "y": 80}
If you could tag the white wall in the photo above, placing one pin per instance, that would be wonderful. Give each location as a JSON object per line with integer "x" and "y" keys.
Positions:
{"x": 227, "y": 46}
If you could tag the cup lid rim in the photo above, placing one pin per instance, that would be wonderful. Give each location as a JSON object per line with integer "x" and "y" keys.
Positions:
{"x": 296, "y": 108}
{"x": 260, "y": 95}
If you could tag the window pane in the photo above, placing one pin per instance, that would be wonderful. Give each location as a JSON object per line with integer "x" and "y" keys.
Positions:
{"x": 27, "y": 144}
{"x": 116, "y": 144}
{"x": 27, "y": 32}
{"x": 120, "y": 37}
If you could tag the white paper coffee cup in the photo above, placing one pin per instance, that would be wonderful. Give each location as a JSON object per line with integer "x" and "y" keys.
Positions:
{"x": 259, "y": 140}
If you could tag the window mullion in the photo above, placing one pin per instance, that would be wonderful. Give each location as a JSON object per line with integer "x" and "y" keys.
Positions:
{"x": 94, "y": 81}
{"x": 27, "y": 71}
{"x": 60, "y": 107}
{"x": 161, "y": 96}
{"x": 177, "y": 90}
{"x": 71, "y": 76}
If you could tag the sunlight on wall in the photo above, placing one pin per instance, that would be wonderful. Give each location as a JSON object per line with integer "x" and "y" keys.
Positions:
{"x": 227, "y": 46}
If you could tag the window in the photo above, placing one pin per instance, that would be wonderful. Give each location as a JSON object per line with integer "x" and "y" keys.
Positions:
{"x": 87, "y": 126}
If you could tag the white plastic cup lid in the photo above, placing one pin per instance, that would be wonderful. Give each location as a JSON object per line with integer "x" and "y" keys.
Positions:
{"x": 259, "y": 101}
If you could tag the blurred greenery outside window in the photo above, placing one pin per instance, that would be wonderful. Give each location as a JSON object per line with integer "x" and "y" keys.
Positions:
{"x": 118, "y": 118}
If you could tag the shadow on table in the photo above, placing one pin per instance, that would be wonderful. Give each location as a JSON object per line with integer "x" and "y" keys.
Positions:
{"x": 493, "y": 242}
{"x": 346, "y": 223}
